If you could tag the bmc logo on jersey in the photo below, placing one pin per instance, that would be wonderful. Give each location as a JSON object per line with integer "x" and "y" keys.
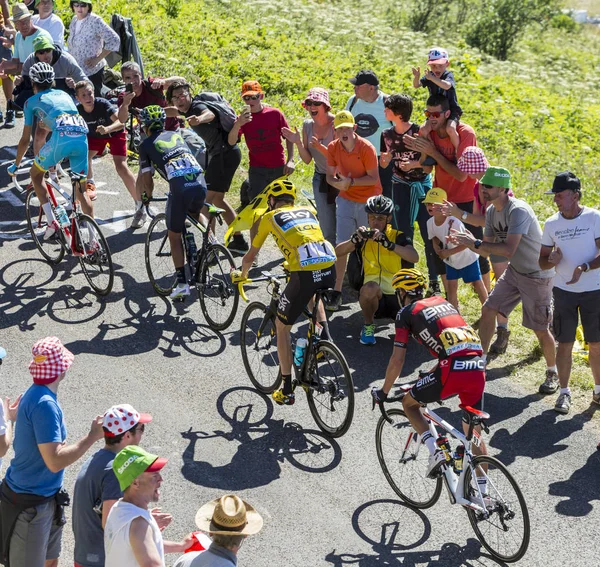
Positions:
{"x": 471, "y": 364}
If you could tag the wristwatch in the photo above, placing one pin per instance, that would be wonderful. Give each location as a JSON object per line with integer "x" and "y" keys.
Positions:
{"x": 464, "y": 215}
{"x": 477, "y": 244}
{"x": 586, "y": 266}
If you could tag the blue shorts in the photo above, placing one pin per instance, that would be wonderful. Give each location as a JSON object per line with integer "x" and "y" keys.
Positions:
{"x": 63, "y": 145}
{"x": 469, "y": 274}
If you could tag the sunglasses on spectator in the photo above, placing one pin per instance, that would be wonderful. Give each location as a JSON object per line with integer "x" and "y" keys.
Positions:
{"x": 433, "y": 114}
{"x": 487, "y": 186}
{"x": 79, "y": 4}
{"x": 251, "y": 97}
{"x": 312, "y": 103}
{"x": 42, "y": 51}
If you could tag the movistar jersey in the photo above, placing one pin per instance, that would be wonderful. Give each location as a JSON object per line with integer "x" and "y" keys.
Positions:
{"x": 56, "y": 110}
{"x": 297, "y": 232}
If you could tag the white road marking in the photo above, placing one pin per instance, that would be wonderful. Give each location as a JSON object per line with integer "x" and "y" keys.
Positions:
{"x": 14, "y": 223}
{"x": 12, "y": 198}
{"x": 119, "y": 222}
{"x": 100, "y": 192}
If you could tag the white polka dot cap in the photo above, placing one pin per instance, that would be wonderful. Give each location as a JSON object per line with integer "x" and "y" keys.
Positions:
{"x": 121, "y": 418}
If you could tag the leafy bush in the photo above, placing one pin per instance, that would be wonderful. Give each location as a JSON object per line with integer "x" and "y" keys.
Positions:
{"x": 172, "y": 8}
{"x": 564, "y": 22}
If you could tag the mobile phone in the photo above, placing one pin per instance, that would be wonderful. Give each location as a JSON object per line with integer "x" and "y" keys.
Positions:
{"x": 128, "y": 88}
{"x": 246, "y": 109}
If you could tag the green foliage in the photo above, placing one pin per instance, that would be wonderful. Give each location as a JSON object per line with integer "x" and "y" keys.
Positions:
{"x": 172, "y": 8}
{"x": 425, "y": 14}
{"x": 564, "y": 22}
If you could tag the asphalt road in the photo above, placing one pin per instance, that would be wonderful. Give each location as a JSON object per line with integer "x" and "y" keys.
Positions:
{"x": 324, "y": 502}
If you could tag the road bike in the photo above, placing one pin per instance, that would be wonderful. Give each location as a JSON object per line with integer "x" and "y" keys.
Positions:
{"x": 323, "y": 374}
{"x": 79, "y": 233}
{"x": 210, "y": 266}
{"x": 498, "y": 513}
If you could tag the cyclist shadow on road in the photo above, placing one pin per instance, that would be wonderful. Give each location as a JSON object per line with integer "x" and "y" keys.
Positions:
{"x": 393, "y": 529}
{"x": 264, "y": 444}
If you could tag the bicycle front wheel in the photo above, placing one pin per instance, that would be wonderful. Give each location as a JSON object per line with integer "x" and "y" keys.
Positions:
{"x": 258, "y": 339}
{"x": 331, "y": 391}
{"x": 217, "y": 295}
{"x": 404, "y": 461}
{"x": 96, "y": 261}
{"x": 51, "y": 249}
{"x": 157, "y": 253}
{"x": 504, "y": 530}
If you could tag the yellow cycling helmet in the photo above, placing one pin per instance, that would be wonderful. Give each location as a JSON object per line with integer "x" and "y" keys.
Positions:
{"x": 280, "y": 187}
{"x": 411, "y": 280}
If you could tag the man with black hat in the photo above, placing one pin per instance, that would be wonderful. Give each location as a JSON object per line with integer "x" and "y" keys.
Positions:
{"x": 570, "y": 244}
{"x": 366, "y": 105}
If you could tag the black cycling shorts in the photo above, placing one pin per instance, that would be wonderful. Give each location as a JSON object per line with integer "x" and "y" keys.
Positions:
{"x": 180, "y": 201}
{"x": 299, "y": 290}
{"x": 221, "y": 168}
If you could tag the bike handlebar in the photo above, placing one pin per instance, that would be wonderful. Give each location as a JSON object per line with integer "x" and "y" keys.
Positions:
{"x": 390, "y": 400}
{"x": 267, "y": 276}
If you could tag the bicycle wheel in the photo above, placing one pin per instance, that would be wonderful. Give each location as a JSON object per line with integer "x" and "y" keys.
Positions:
{"x": 404, "y": 461}
{"x": 217, "y": 295}
{"x": 53, "y": 249}
{"x": 258, "y": 340}
{"x": 331, "y": 391}
{"x": 96, "y": 261}
{"x": 504, "y": 531}
{"x": 157, "y": 253}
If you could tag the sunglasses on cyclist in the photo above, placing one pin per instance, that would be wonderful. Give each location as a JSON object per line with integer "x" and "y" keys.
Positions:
{"x": 251, "y": 97}
{"x": 312, "y": 103}
{"x": 433, "y": 114}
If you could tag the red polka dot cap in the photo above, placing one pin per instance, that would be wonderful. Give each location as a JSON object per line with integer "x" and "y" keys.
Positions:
{"x": 121, "y": 418}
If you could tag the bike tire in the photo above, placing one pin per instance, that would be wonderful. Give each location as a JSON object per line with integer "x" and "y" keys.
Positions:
{"x": 96, "y": 262}
{"x": 260, "y": 353}
{"x": 157, "y": 254}
{"x": 404, "y": 461}
{"x": 52, "y": 250}
{"x": 217, "y": 295}
{"x": 330, "y": 386}
{"x": 496, "y": 523}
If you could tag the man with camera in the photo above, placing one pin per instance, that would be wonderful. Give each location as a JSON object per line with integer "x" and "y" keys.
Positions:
{"x": 380, "y": 252}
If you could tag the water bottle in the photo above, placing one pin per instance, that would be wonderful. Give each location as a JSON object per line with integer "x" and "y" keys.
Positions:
{"x": 458, "y": 459}
{"x": 61, "y": 216}
{"x": 301, "y": 345}
{"x": 444, "y": 445}
{"x": 190, "y": 244}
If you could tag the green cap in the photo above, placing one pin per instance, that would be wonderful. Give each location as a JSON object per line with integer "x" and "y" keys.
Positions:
{"x": 132, "y": 461}
{"x": 42, "y": 42}
{"x": 496, "y": 177}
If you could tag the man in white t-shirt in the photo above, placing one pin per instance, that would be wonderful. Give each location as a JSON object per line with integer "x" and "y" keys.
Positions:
{"x": 131, "y": 535}
{"x": 570, "y": 243}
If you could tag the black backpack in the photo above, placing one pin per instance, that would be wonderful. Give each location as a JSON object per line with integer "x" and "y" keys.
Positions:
{"x": 220, "y": 108}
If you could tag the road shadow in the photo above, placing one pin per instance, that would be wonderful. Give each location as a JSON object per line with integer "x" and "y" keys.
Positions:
{"x": 263, "y": 444}
{"x": 497, "y": 372}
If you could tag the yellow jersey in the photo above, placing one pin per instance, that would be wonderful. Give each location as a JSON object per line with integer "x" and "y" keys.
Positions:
{"x": 297, "y": 232}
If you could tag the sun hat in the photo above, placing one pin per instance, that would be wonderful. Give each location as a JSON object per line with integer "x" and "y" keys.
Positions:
{"x": 132, "y": 461}
{"x": 563, "y": 182}
{"x": 472, "y": 161}
{"x": 251, "y": 88}
{"x": 120, "y": 419}
{"x": 20, "y": 12}
{"x": 343, "y": 119}
{"x": 496, "y": 177}
{"x": 50, "y": 360}
{"x": 365, "y": 77}
{"x": 229, "y": 515}
{"x": 435, "y": 195}
{"x": 318, "y": 94}
{"x": 437, "y": 55}
{"x": 42, "y": 42}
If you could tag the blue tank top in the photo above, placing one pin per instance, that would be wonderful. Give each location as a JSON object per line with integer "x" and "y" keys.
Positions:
{"x": 56, "y": 110}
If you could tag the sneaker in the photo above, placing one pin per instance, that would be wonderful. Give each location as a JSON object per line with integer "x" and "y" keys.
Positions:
{"x": 563, "y": 404}
{"x": 283, "y": 399}
{"x": 433, "y": 288}
{"x": 596, "y": 399}
{"x": 335, "y": 301}
{"x": 436, "y": 462}
{"x": 9, "y": 121}
{"x": 52, "y": 230}
{"x": 1, "y": 116}
{"x": 550, "y": 384}
{"x": 91, "y": 191}
{"x": 181, "y": 291}
{"x": 238, "y": 244}
{"x": 139, "y": 218}
{"x": 501, "y": 342}
{"x": 367, "y": 337}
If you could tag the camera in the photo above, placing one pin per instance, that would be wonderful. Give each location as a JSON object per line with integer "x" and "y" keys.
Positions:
{"x": 368, "y": 233}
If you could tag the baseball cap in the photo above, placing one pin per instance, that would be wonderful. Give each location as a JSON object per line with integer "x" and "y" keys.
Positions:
{"x": 343, "y": 119}
{"x": 42, "y": 42}
{"x": 132, "y": 461}
{"x": 120, "y": 419}
{"x": 472, "y": 161}
{"x": 437, "y": 55}
{"x": 435, "y": 195}
{"x": 50, "y": 360}
{"x": 496, "y": 177}
{"x": 365, "y": 77}
{"x": 563, "y": 181}
{"x": 251, "y": 88}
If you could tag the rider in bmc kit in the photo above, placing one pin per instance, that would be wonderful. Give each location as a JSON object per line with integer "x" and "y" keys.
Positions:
{"x": 436, "y": 324}
{"x": 311, "y": 261}
{"x": 166, "y": 151}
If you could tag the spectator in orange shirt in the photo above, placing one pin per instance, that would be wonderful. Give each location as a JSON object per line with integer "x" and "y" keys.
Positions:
{"x": 353, "y": 169}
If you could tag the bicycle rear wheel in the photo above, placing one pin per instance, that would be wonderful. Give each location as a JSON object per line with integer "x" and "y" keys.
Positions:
{"x": 53, "y": 249}
{"x": 504, "y": 531}
{"x": 217, "y": 295}
{"x": 331, "y": 391}
{"x": 96, "y": 261}
{"x": 404, "y": 460}
{"x": 157, "y": 253}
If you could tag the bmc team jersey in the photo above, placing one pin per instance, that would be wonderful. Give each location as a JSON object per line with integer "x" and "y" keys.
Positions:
{"x": 297, "y": 232}
{"x": 437, "y": 325}
{"x": 57, "y": 111}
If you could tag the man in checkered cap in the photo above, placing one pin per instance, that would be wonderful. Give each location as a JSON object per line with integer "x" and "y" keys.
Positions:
{"x": 32, "y": 497}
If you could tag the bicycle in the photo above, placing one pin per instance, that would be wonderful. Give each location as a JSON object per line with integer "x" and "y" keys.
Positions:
{"x": 210, "y": 266}
{"x": 404, "y": 461}
{"x": 79, "y": 233}
{"x": 323, "y": 374}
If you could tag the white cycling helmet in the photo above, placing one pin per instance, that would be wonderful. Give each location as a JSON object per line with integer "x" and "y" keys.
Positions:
{"x": 41, "y": 73}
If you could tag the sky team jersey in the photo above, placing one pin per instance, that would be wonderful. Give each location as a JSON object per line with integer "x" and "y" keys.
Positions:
{"x": 297, "y": 232}
{"x": 437, "y": 325}
{"x": 56, "y": 110}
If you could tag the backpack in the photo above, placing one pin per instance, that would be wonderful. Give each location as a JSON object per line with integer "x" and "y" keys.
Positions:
{"x": 220, "y": 108}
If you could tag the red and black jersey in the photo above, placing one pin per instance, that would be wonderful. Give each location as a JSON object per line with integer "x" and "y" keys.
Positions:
{"x": 437, "y": 325}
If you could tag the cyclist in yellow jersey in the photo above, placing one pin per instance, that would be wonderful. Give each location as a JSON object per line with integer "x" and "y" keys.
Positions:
{"x": 311, "y": 261}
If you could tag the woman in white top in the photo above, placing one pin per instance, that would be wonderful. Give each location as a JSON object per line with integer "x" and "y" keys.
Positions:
{"x": 49, "y": 21}
{"x": 91, "y": 39}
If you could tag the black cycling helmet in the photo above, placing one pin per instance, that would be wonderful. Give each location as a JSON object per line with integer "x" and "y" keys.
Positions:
{"x": 41, "y": 73}
{"x": 379, "y": 205}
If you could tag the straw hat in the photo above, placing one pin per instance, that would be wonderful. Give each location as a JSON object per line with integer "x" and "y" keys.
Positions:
{"x": 229, "y": 515}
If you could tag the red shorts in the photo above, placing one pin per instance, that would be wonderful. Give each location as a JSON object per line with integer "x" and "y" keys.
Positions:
{"x": 117, "y": 144}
